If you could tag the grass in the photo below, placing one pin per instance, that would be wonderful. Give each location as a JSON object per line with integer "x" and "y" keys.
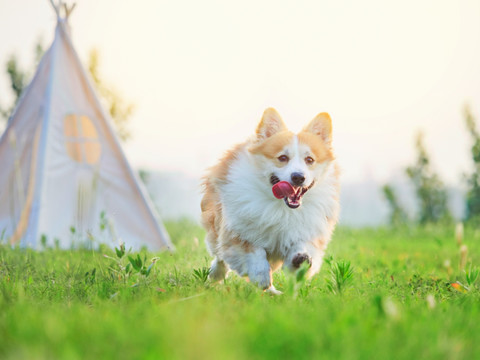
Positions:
{"x": 381, "y": 294}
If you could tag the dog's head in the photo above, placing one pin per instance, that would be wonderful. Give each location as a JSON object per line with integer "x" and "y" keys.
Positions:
{"x": 299, "y": 159}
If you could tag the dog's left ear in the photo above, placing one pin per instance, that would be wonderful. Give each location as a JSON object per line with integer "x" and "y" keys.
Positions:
{"x": 270, "y": 124}
{"x": 321, "y": 125}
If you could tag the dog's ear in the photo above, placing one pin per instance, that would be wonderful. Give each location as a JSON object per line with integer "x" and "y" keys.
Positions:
{"x": 270, "y": 124}
{"x": 321, "y": 125}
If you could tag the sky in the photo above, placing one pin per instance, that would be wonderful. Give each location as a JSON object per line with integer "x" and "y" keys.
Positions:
{"x": 201, "y": 73}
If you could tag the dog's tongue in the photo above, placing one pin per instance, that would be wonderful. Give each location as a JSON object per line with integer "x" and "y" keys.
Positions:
{"x": 283, "y": 189}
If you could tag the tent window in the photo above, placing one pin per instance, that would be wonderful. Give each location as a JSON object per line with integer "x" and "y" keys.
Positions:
{"x": 81, "y": 139}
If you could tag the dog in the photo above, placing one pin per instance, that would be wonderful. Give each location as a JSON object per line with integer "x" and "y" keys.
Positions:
{"x": 249, "y": 229}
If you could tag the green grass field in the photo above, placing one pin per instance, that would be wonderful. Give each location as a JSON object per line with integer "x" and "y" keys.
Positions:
{"x": 398, "y": 304}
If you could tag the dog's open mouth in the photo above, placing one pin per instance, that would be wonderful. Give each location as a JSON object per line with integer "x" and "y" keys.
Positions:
{"x": 292, "y": 195}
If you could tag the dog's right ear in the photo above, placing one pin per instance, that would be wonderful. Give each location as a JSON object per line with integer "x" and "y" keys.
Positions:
{"x": 270, "y": 124}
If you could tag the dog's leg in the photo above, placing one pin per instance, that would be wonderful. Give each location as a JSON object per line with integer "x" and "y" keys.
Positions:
{"x": 258, "y": 269}
{"x": 310, "y": 252}
{"x": 249, "y": 261}
{"x": 218, "y": 270}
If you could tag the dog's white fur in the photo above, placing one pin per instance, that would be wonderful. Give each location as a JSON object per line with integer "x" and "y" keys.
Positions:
{"x": 252, "y": 232}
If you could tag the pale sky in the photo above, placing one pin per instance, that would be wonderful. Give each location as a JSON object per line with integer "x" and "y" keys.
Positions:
{"x": 202, "y": 72}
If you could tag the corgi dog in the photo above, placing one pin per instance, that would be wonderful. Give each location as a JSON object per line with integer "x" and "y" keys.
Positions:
{"x": 272, "y": 200}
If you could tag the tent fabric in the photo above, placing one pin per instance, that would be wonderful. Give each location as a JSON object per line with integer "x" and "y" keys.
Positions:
{"x": 64, "y": 176}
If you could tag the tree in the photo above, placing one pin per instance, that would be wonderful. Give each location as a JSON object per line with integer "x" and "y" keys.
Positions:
{"x": 19, "y": 78}
{"x": 145, "y": 176}
{"x": 472, "y": 197}
{"x": 17, "y": 83}
{"x": 398, "y": 216}
{"x": 430, "y": 190}
{"x": 119, "y": 110}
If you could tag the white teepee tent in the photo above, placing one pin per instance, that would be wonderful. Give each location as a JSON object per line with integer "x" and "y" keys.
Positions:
{"x": 63, "y": 174}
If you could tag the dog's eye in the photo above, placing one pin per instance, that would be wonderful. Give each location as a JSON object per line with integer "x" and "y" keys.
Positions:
{"x": 309, "y": 160}
{"x": 283, "y": 158}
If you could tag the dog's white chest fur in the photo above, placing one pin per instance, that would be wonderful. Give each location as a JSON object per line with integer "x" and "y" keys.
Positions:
{"x": 252, "y": 212}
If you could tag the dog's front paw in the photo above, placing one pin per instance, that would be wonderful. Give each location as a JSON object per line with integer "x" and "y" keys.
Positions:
{"x": 262, "y": 279}
{"x": 299, "y": 259}
{"x": 218, "y": 270}
{"x": 271, "y": 290}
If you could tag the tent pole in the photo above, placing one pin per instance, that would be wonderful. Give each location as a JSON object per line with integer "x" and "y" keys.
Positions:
{"x": 55, "y": 8}
{"x": 66, "y": 9}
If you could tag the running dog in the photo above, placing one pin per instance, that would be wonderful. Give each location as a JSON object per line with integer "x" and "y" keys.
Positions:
{"x": 272, "y": 200}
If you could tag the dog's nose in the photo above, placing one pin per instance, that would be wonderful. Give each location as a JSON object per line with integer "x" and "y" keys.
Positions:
{"x": 297, "y": 178}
